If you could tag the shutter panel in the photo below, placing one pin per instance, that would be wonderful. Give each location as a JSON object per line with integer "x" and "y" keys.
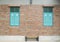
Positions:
{"x": 48, "y": 19}
{"x": 17, "y": 18}
{"x": 14, "y": 16}
{"x": 48, "y": 16}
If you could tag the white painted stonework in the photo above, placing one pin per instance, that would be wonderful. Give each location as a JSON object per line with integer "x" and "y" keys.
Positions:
{"x": 22, "y": 39}
{"x": 12, "y": 38}
{"x": 49, "y": 38}
{"x": 34, "y": 2}
{"x": 46, "y": 2}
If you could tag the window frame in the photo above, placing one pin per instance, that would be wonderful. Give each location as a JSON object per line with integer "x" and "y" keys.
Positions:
{"x": 52, "y": 16}
{"x": 14, "y": 12}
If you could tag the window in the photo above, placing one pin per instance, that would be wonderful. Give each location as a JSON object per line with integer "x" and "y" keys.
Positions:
{"x": 14, "y": 16}
{"x": 48, "y": 16}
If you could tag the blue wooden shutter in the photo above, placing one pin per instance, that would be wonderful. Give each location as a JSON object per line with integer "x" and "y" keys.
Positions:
{"x": 14, "y": 16}
{"x": 17, "y": 18}
{"x": 48, "y": 16}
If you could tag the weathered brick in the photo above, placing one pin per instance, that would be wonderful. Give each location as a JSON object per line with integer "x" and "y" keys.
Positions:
{"x": 31, "y": 21}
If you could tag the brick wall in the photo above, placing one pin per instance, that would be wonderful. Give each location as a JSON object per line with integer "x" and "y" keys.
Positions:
{"x": 31, "y": 21}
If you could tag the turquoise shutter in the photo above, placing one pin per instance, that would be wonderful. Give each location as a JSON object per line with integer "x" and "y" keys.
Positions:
{"x": 17, "y": 18}
{"x": 48, "y": 16}
{"x": 48, "y": 19}
{"x": 14, "y": 16}
{"x": 12, "y": 19}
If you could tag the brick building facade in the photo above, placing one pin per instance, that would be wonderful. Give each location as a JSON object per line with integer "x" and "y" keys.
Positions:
{"x": 31, "y": 21}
